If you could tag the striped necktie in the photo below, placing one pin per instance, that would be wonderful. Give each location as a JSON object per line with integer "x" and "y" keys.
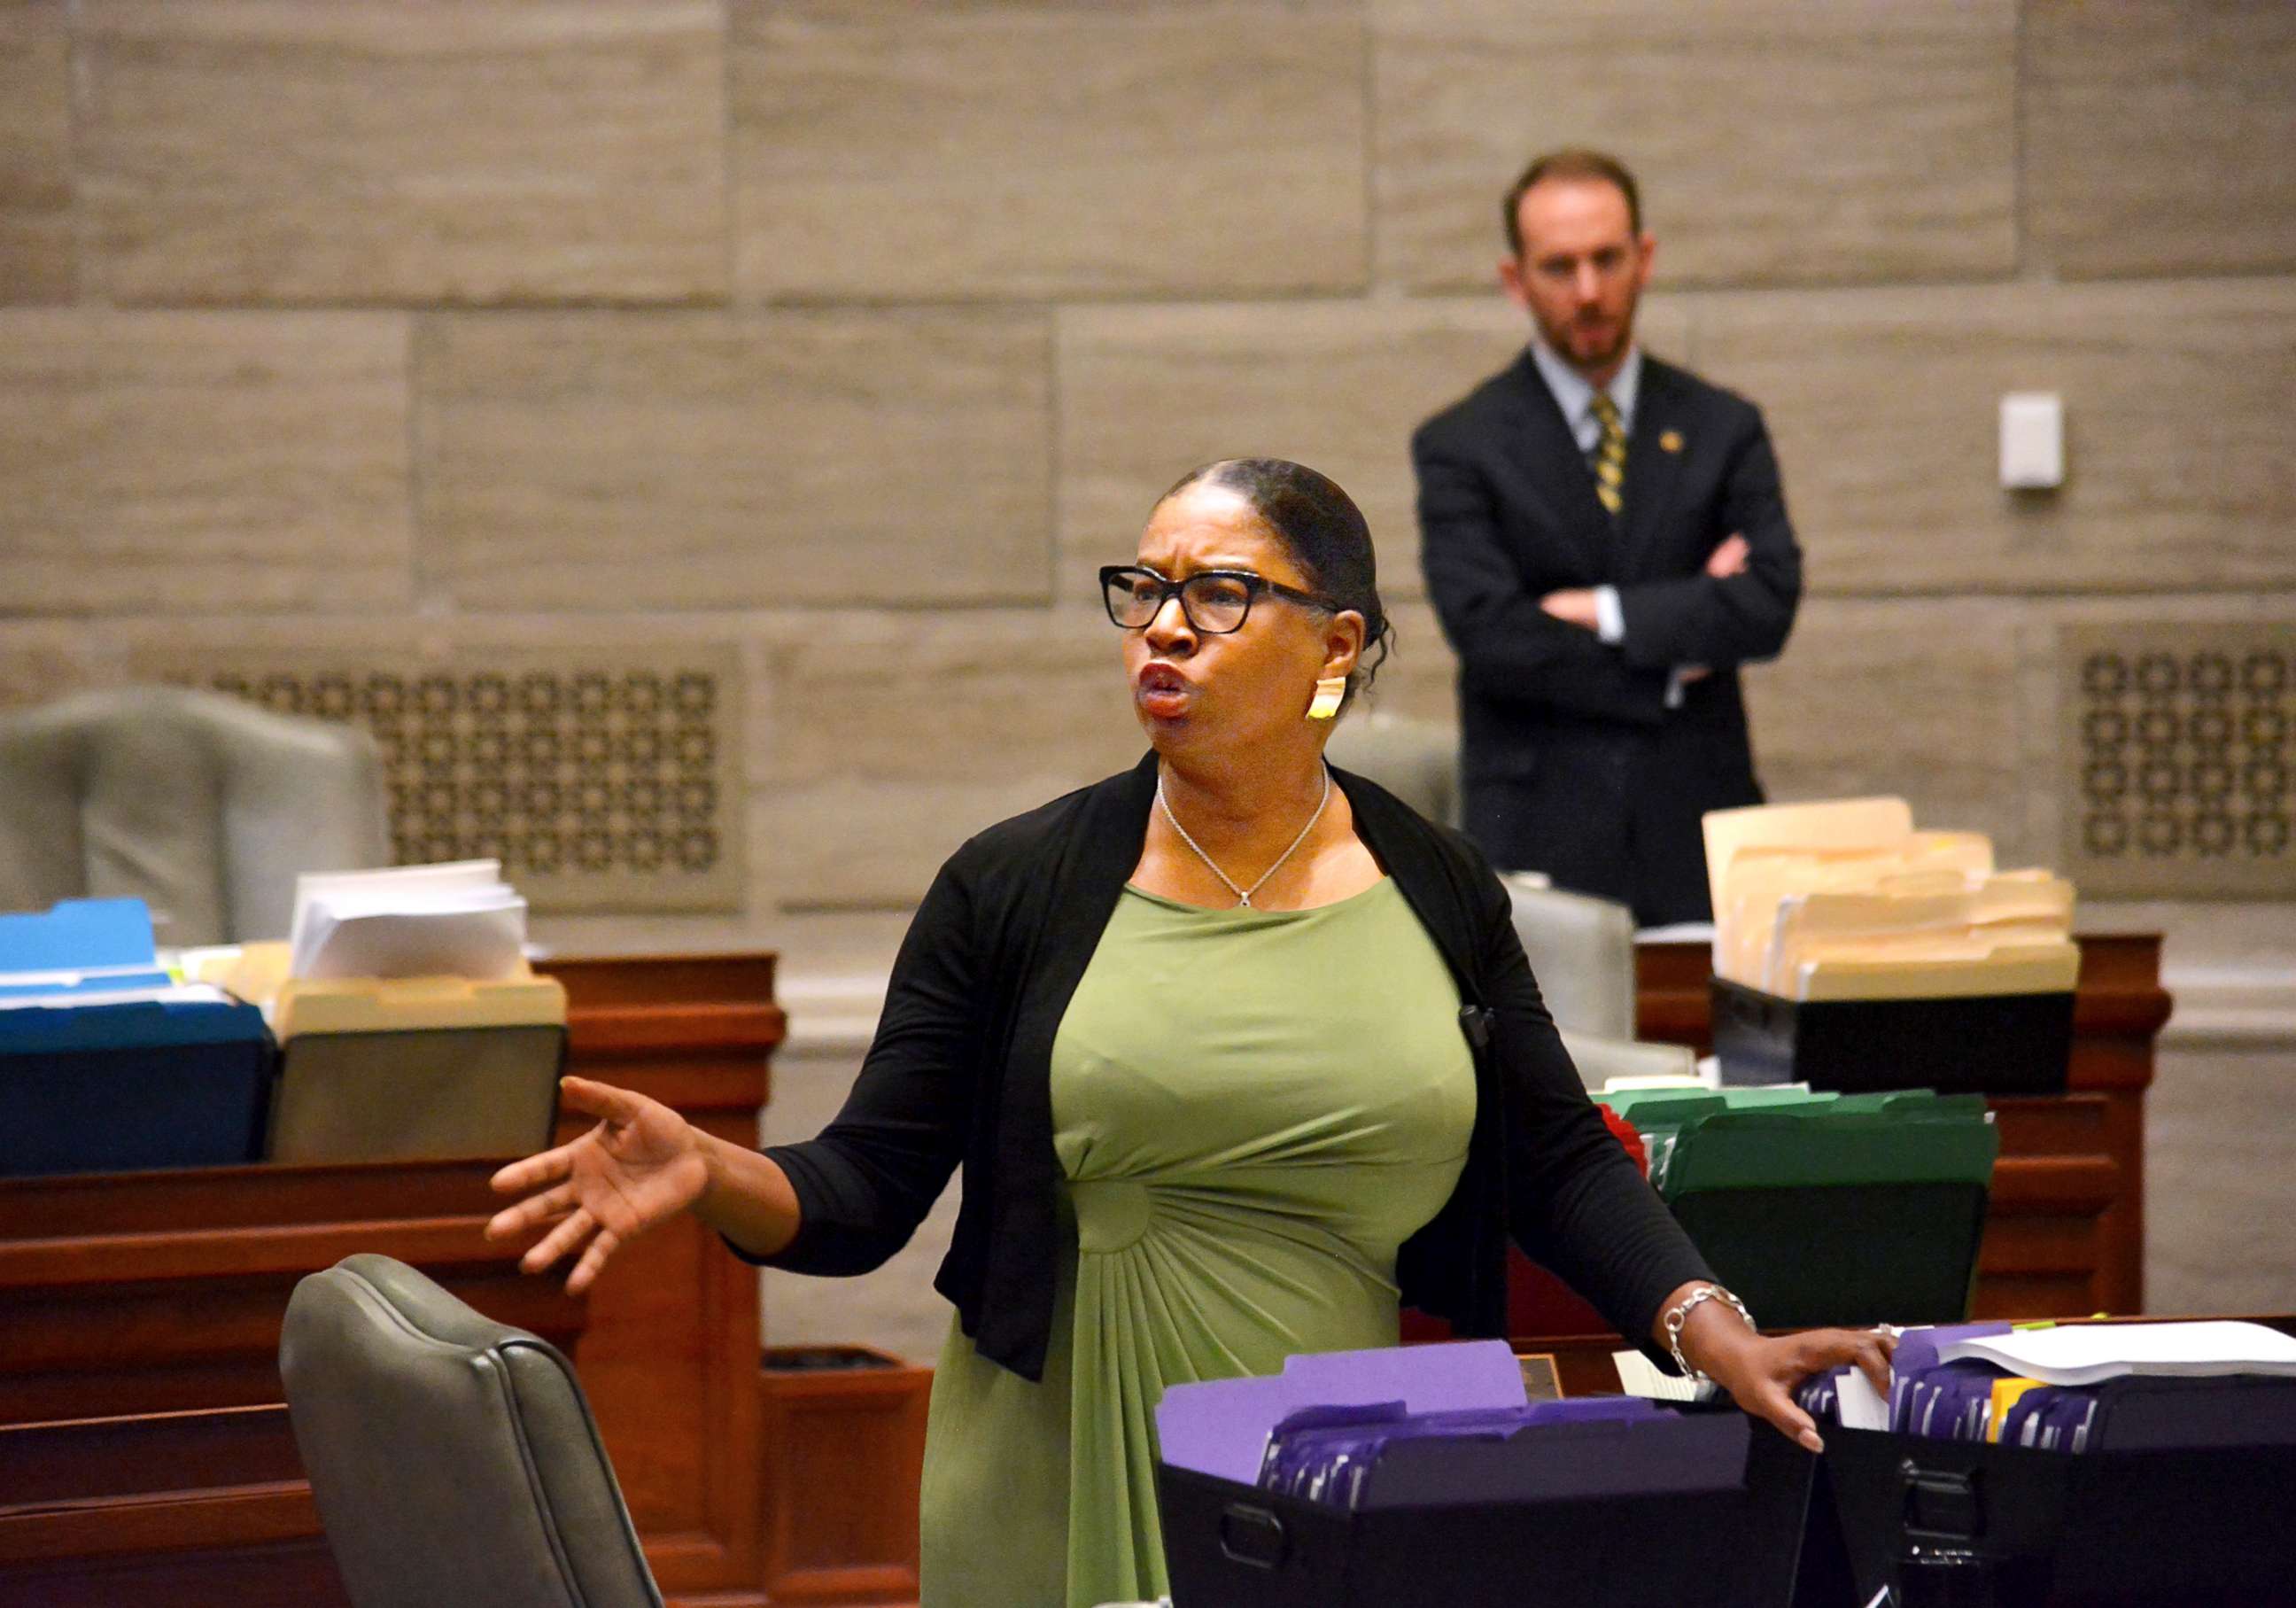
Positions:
{"x": 1610, "y": 457}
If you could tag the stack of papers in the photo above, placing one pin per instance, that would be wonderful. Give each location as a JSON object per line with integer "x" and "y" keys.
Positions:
{"x": 455, "y": 920}
{"x": 1846, "y": 900}
{"x": 2090, "y": 1353}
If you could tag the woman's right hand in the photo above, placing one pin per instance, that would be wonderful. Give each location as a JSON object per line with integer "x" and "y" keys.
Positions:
{"x": 641, "y": 1165}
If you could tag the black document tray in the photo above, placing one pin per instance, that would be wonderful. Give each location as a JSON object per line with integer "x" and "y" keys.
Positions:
{"x": 2007, "y": 1044}
{"x": 1233, "y": 1545}
{"x": 2058, "y": 1530}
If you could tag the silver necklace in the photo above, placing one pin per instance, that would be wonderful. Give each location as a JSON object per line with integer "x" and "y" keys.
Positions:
{"x": 1243, "y": 895}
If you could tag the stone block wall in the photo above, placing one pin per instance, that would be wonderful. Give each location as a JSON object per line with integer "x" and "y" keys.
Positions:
{"x": 855, "y": 335}
{"x": 849, "y": 336}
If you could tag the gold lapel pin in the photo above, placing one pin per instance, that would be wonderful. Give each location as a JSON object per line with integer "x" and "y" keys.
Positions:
{"x": 1671, "y": 441}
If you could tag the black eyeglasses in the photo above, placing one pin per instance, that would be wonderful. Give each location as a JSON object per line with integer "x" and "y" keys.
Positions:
{"x": 1215, "y": 601}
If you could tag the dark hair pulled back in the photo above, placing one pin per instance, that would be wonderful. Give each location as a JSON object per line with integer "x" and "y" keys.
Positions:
{"x": 1323, "y": 530}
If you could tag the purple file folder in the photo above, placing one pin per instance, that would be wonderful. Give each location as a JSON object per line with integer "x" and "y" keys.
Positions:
{"x": 1221, "y": 1427}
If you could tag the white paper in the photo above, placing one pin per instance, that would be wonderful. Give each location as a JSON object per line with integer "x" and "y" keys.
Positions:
{"x": 454, "y": 920}
{"x": 2085, "y": 1353}
{"x": 482, "y": 939}
{"x": 1638, "y": 1376}
{"x": 73, "y": 980}
{"x": 1676, "y": 932}
{"x": 1859, "y": 1405}
{"x": 182, "y": 993}
{"x": 411, "y": 883}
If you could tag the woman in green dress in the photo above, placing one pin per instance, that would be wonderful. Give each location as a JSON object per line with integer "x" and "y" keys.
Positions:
{"x": 1237, "y": 1054}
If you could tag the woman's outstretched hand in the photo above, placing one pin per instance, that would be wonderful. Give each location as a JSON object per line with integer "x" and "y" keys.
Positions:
{"x": 1760, "y": 1371}
{"x": 641, "y": 1164}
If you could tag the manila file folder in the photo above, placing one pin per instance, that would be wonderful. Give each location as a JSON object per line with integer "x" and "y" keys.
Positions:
{"x": 389, "y": 1069}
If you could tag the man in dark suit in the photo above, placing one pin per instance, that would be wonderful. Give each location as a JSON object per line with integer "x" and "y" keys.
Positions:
{"x": 1605, "y": 541}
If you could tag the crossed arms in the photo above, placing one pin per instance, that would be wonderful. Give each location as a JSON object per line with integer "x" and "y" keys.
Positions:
{"x": 1543, "y": 646}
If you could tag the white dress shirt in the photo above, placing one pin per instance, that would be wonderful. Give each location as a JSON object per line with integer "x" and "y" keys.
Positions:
{"x": 1576, "y": 398}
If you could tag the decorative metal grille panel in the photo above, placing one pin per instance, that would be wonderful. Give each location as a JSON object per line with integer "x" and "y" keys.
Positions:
{"x": 2180, "y": 745}
{"x": 606, "y": 780}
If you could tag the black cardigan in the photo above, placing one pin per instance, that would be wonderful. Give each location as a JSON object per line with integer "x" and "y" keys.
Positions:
{"x": 960, "y": 1071}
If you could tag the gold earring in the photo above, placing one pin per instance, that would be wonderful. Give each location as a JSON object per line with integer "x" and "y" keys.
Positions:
{"x": 1329, "y": 693}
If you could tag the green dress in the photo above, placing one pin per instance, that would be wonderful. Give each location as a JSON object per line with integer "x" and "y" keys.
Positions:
{"x": 1252, "y": 1110}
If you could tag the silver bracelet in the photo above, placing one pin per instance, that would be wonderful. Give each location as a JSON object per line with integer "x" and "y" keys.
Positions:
{"x": 1678, "y": 1315}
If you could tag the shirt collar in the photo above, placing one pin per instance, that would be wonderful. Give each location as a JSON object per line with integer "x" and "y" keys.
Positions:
{"x": 1574, "y": 396}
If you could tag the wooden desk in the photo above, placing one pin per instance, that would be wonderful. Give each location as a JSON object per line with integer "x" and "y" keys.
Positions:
{"x": 145, "y": 1454}
{"x": 145, "y": 1450}
{"x": 670, "y": 1360}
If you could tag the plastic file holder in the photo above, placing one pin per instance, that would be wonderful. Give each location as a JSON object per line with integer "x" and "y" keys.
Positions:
{"x": 2006, "y": 1043}
{"x": 1702, "y": 1508}
{"x": 1819, "y": 1209}
{"x": 122, "y": 1088}
{"x": 395, "y": 1069}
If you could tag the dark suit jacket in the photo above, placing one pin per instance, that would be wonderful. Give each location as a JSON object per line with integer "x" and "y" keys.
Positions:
{"x": 1570, "y": 761}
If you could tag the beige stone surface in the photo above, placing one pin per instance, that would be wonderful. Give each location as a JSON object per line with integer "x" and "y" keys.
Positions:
{"x": 1885, "y": 406}
{"x": 1148, "y": 393}
{"x": 2157, "y": 137}
{"x": 37, "y": 255}
{"x": 44, "y": 660}
{"x": 1028, "y": 149}
{"x": 598, "y": 460}
{"x": 182, "y": 463}
{"x": 895, "y": 738}
{"x": 1863, "y": 702}
{"x": 369, "y": 152}
{"x": 1776, "y": 140}
{"x": 2220, "y": 1214}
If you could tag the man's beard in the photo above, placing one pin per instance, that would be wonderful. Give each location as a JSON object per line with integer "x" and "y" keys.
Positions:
{"x": 1612, "y": 336}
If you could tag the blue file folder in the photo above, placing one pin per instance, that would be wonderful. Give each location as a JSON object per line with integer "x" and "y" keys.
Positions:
{"x": 115, "y": 1084}
{"x": 78, "y": 935}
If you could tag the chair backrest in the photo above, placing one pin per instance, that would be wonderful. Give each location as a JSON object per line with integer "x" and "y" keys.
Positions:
{"x": 201, "y": 805}
{"x": 1416, "y": 761}
{"x": 453, "y": 1459}
{"x": 1582, "y": 951}
{"x": 1599, "y": 1059}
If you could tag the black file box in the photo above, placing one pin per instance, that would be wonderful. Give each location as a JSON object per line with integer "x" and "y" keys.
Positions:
{"x": 2005, "y": 1043}
{"x": 1485, "y": 1536}
{"x": 1955, "y": 1522}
